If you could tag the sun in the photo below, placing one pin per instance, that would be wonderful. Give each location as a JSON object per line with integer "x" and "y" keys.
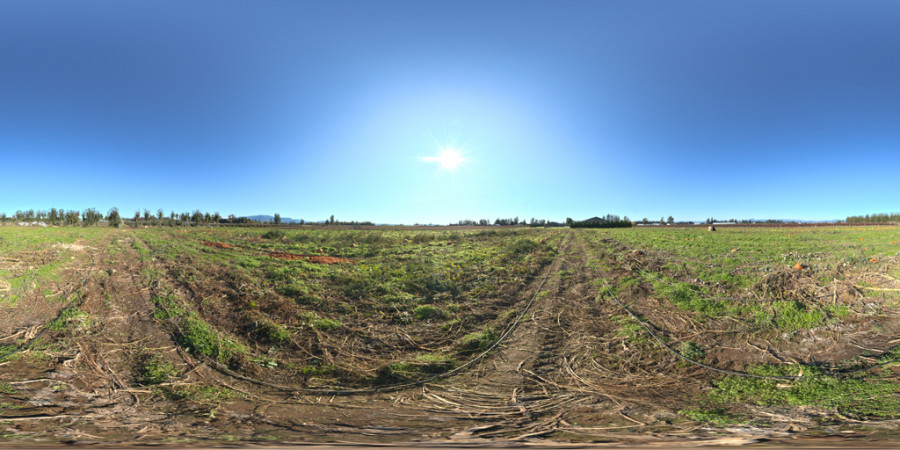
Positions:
{"x": 448, "y": 159}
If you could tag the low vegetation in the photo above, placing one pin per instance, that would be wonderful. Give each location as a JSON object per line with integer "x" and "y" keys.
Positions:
{"x": 661, "y": 326}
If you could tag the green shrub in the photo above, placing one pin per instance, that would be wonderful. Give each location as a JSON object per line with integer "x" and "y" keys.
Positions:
{"x": 167, "y": 307}
{"x": 631, "y": 330}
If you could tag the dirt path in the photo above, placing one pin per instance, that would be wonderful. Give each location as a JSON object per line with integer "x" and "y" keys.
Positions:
{"x": 508, "y": 389}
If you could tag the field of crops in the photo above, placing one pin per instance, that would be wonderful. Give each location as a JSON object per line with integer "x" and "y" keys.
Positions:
{"x": 177, "y": 335}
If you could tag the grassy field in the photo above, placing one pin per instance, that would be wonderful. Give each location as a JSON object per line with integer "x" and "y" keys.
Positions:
{"x": 634, "y": 332}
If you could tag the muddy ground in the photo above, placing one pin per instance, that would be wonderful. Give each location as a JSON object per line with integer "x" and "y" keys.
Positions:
{"x": 563, "y": 373}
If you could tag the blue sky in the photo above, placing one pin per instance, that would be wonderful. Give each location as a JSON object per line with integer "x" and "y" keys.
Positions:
{"x": 781, "y": 109}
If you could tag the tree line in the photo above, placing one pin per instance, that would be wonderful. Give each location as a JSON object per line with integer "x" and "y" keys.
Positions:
{"x": 534, "y": 222}
{"x": 875, "y": 218}
{"x": 91, "y": 217}
{"x": 609, "y": 221}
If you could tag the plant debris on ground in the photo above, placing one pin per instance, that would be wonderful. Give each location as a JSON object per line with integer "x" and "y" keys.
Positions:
{"x": 632, "y": 335}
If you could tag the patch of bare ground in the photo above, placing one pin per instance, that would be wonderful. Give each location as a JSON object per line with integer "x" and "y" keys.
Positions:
{"x": 315, "y": 259}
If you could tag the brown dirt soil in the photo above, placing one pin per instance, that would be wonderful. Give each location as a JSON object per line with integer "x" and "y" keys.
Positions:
{"x": 315, "y": 259}
{"x": 566, "y": 373}
{"x": 216, "y": 244}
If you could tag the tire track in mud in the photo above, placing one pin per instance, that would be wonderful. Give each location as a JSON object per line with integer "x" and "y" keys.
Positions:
{"x": 89, "y": 379}
{"x": 546, "y": 383}
{"x": 525, "y": 390}
{"x": 499, "y": 396}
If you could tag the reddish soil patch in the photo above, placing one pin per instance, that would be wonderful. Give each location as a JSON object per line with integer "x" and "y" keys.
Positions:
{"x": 216, "y": 244}
{"x": 317, "y": 259}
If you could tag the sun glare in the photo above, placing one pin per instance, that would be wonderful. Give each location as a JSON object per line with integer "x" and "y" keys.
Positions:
{"x": 448, "y": 159}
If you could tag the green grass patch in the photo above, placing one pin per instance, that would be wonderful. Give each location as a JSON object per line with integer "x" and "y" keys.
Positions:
{"x": 793, "y": 316}
{"x": 478, "y": 341}
{"x": 200, "y": 337}
{"x": 717, "y": 417}
{"x": 688, "y": 297}
{"x": 631, "y": 330}
{"x": 313, "y": 320}
{"x": 70, "y": 317}
{"x": 168, "y": 307}
{"x": 8, "y": 349}
{"x": 428, "y": 312}
{"x": 851, "y": 396}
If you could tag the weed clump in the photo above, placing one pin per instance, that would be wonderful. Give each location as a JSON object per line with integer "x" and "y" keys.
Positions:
{"x": 423, "y": 365}
{"x": 717, "y": 416}
{"x": 428, "y": 312}
{"x": 153, "y": 369}
{"x": 200, "y": 337}
{"x": 687, "y": 297}
{"x": 521, "y": 247}
{"x": 73, "y": 315}
{"x": 478, "y": 341}
{"x": 631, "y": 330}
{"x": 271, "y": 332}
{"x": 314, "y": 321}
{"x": 793, "y": 316}
{"x": 692, "y": 351}
{"x": 274, "y": 235}
{"x": 299, "y": 291}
